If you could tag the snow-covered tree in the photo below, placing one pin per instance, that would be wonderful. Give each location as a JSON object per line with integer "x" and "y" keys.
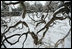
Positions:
{"x": 46, "y": 30}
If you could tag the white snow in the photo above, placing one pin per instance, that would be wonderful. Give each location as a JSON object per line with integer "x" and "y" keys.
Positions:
{"x": 56, "y": 32}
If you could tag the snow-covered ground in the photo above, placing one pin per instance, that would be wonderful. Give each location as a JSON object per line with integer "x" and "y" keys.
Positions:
{"x": 56, "y": 32}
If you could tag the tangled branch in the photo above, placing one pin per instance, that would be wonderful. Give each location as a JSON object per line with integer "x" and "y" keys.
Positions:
{"x": 53, "y": 19}
{"x": 34, "y": 36}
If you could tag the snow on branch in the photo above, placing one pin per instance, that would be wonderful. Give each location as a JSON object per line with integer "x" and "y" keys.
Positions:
{"x": 13, "y": 3}
{"x": 62, "y": 40}
{"x": 33, "y": 35}
{"x": 53, "y": 19}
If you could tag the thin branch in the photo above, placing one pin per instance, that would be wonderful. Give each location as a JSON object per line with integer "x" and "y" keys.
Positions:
{"x": 48, "y": 9}
{"x": 3, "y": 44}
{"x": 61, "y": 40}
{"x": 33, "y": 19}
{"x": 10, "y": 37}
{"x": 42, "y": 21}
{"x": 24, "y": 40}
{"x": 60, "y": 18}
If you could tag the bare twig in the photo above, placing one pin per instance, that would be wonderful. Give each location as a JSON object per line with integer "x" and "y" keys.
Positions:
{"x": 48, "y": 9}
{"x": 3, "y": 44}
{"x": 61, "y": 40}
{"x": 33, "y": 19}
{"x": 10, "y": 37}
{"x": 15, "y": 26}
